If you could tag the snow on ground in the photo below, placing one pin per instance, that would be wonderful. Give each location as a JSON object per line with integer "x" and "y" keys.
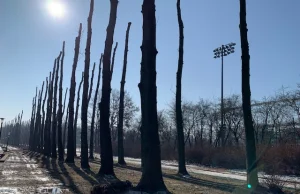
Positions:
{"x": 291, "y": 181}
{"x": 21, "y": 175}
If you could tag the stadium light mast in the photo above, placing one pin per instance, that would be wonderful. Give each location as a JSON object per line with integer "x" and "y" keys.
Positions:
{"x": 221, "y": 52}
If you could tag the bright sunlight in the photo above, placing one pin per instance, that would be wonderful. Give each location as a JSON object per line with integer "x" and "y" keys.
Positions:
{"x": 56, "y": 9}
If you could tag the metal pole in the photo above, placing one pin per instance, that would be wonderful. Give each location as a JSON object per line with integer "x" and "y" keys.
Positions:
{"x": 222, "y": 105}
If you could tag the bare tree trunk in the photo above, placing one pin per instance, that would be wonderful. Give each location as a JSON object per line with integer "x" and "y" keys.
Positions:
{"x": 252, "y": 177}
{"x": 43, "y": 119}
{"x": 151, "y": 180}
{"x": 60, "y": 112}
{"x": 76, "y": 113}
{"x": 48, "y": 115}
{"x": 113, "y": 61}
{"x": 94, "y": 111}
{"x": 179, "y": 121}
{"x": 65, "y": 128}
{"x": 32, "y": 121}
{"x": 38, "y": 120}
{"x": 54, "y": 122}
{"x": 91, "y": 85}
{"x": 121, "y": 104}
{"x": 85, "y": 95}
{"x": 105, "y": 134}
{"x": 70, "y": 145}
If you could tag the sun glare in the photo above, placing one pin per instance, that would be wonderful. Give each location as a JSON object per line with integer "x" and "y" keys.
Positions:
{"x": 56, "y": 9}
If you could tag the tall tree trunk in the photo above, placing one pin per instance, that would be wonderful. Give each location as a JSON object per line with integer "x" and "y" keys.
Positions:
{"x": 113, "y": 62}
{"x": 151, "y": 180}
{"x": 105, "y": 135}
{"x": 60, "y": 112}
{"x": 54, "y": 122}
{"x": 179, "y": 121}
{"x": 121, "y": 103}
{"x": 65, "y": 128}
{"x": 85, "y": 95}
{"x": 48, "y": 115}
{"x": 33, "y": 118}
{"x": 94, "y": 111}
{"x": 91, "y": 85}
{"x": 252, "y": 177}
{"x": 38, "y": 120}
{"x": 76, "y": 112}
{"x": 70, "y": 145}
{"x": 43, "y": 119}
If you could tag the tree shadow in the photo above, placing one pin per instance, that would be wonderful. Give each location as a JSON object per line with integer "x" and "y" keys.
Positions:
{"x": 85, "y": 174}
{"x": 192, "y": 180}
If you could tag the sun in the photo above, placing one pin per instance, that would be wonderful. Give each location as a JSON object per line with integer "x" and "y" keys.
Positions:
{"x": 56, "y": 9}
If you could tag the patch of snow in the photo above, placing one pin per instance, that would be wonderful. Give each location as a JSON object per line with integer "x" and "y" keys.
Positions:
{"x": 8, "y": 190}
{"x": 9, "y": 172}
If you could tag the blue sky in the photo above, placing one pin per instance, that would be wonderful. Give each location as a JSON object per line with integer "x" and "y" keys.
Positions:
{"x": 31, "y": 39}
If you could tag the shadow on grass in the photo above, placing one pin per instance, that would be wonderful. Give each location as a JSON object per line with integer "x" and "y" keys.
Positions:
{"x": 192, "y": 180}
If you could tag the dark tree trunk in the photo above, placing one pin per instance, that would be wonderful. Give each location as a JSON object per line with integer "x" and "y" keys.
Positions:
{"x": 48, "y": 115}
{"x": 76, "y": 113}
{"x": 31, "y": 136}
{"x": 151, "y": 180}
{"x": 54, "y": 122}
{"x": 105, "y": 136}
{"x": 91, "y": 85}
{"x": 252, "y": 177}
{"x": 70, "y": 145}
{"x": 43, "y": 119}
{"x": 85, "y": 95}
{"x": 35, "y": 124}
{"x": 38, "y": 120}
{"x": 94, "y": 111}
{"x": 65, "y": 128}
{"x": 121, "y": 103}
{"x": 179, "y": 121}
{"x": 60, "y": 112}
{"x": 113, "y": 62}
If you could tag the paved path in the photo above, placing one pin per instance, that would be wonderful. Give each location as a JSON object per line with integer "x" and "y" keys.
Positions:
{"x": 21, "y": 175}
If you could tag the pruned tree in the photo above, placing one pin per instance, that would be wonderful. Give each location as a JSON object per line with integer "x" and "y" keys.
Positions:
{"x": 76, "y": 112}
{"x": 60, "y": 108}
{"x": 70, "y": 145}
{"x": 252, "y": 177}
{"x": 179, "y": 120}
{"x": 94, "y": 111}
{"x": 43, "y": 118}
{"x": 151, "y": 180}
{"x": 85, "y": 95}
{"x": 54, "y": 114}
{"x": 105, "y": 136}
{"x": 48, "y": 122}
{"x": 32, "y": 121}
{"x": 38, "y": 120}
{"x": 121, "y": 103}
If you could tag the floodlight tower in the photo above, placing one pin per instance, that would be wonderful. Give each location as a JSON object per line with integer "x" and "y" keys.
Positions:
{"x": 223, "y": 51}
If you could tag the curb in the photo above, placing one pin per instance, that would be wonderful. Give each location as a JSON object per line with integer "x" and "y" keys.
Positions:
{"x": 4, "y": 157}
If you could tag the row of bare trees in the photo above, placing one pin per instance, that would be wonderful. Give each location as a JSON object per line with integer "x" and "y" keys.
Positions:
{"x": 196, "y": 124}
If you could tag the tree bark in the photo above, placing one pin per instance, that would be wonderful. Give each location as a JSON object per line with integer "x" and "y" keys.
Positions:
{"x": 94, "y": 111}
{"x": 38, "y": 120}
{"x": 121, "y": 104}
{"x": 43, "y": 119}
{"x": 32, "y": 121}
{"x": 151, "y": 180}
{"x": 113, "y": 61}
{"x": 54, "y": 122}
{"x": 70, "y": 144}
{"x": 179, "y": 121}
{"x": 252, "y": 177}
{"x": 76, "y": 113}
{"x": 48, "y": 114}
{"x": 105, "y": 134}
{"x": 60, "y": 112}
{"x": 85, "y": 95}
